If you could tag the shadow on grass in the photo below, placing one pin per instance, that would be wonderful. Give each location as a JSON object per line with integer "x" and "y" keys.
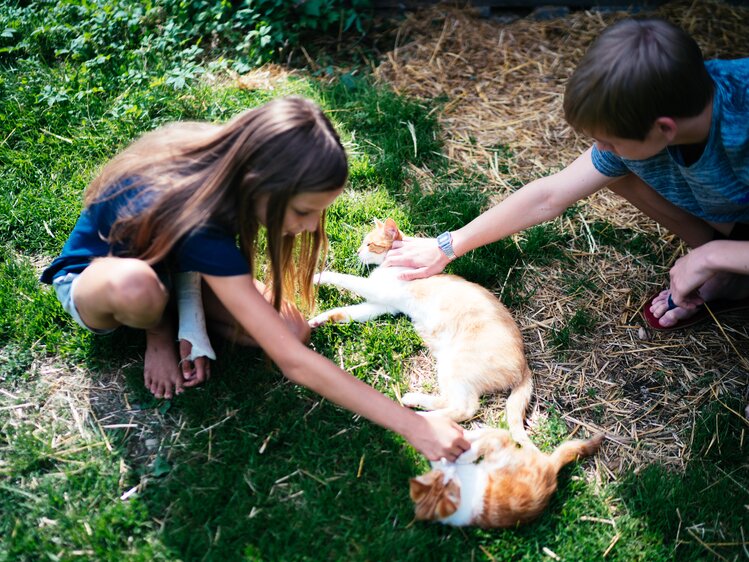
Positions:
{"x": 253, "y": 467}
{"x": 256, "y": 467}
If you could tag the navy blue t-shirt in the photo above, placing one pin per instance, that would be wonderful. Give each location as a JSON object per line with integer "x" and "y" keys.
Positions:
{"x": 211, "y": 250}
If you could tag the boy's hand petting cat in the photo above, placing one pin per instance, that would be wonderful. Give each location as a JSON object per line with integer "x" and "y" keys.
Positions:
{"x": 196, "y": 371}
{"x": 422, "y": 255}
{"x": 438, "y": 438}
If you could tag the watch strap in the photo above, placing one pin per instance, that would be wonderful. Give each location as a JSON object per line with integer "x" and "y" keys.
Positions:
{"x": 445, "y": 243}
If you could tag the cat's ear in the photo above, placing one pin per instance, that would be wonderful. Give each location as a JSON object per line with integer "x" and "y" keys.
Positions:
{"x": 432, "y": 499}
{"x": 391, "y": 229}
{"x": 420, "y": 486}
{"x": 417, "y": 489}
{"x": 378, "y": 223}
{"x": 424, "y": 494}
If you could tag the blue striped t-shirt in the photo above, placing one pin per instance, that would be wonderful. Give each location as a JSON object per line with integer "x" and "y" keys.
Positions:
{"x": 716, "y": 186}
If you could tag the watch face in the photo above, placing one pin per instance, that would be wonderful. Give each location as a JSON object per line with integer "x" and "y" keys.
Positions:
{"x": 444, "y": 241}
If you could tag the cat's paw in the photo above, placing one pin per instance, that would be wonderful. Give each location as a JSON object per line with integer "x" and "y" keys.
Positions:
{"x": 336, "y": 315}
{"x": 324, "y": 278}
{"x": 413, "y": 399}
{"x": 468, "y": 456}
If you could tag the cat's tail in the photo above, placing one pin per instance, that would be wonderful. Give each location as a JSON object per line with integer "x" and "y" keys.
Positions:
{"x": 517, "y": 404}
{"x": 570, "y": 451}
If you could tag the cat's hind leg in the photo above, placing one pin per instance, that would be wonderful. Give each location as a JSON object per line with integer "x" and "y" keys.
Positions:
{"x": 457, "y": 407}
{"x": 423, "y": 401}
{"x": 460, "y": 401}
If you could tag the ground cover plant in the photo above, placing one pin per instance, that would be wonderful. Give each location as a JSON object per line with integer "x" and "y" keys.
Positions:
{"x": 250, "y": 467}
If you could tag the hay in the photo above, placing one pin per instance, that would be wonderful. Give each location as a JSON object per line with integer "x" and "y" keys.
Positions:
{"x": 502, "y": 85}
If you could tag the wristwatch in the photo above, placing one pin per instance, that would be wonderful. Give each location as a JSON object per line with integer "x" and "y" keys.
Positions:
{"x": 445, "y": 242}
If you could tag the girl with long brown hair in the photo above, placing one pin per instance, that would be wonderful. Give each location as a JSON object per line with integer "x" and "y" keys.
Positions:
{"x": 192, "y": 197}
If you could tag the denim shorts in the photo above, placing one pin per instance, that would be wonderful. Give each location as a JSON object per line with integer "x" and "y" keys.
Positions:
{"x": 64, "y": 288}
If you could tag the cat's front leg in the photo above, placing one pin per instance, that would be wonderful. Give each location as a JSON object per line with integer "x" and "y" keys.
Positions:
{"x": 326, "y": 278}
{"x": 354, "y": 313}
{"x": 476, "y": 438}
{"x": 362, "y": 286}
{"x": 484, "y": 441}
{"x": 337, "y": 315}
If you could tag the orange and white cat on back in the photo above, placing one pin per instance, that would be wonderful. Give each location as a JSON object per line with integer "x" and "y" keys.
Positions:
{"x": 476, "y": 343}
{"x": 507, "y": 487}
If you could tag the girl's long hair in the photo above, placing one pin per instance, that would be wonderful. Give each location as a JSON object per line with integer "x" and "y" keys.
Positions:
{"x": 196, "y": 173}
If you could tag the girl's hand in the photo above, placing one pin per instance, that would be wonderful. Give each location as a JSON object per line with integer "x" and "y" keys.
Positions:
{"x": 439, "y": 438}
{"x": 193, "y": 372}
{"x": 422, "y": 255}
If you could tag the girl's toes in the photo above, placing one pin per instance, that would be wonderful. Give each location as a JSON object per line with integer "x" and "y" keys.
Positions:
{"x": 156, "y": 390}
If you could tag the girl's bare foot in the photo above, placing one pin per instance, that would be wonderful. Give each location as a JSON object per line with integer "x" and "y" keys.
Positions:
{"x": 195, "y": 371}
{"x": 161, "y": 371}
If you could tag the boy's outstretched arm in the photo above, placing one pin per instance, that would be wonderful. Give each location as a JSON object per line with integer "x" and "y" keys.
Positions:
{"x": 536, "y": 202}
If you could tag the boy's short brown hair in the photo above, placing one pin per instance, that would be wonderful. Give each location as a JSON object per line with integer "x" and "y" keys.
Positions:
{"x": 636, "y": 71}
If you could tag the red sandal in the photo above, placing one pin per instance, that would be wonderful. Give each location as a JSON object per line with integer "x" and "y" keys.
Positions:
{"x": 717, "y": 307}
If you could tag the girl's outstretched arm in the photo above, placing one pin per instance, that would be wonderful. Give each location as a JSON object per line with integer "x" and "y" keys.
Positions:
{"x": 434, "y": 436}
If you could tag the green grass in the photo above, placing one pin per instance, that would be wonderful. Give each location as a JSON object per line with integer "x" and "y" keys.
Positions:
{"x": 249, "y": 466}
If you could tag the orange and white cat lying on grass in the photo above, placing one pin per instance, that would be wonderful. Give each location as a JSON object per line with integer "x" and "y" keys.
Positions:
{"x": 476, "y": 343}
{"x": 507, "y": 487}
